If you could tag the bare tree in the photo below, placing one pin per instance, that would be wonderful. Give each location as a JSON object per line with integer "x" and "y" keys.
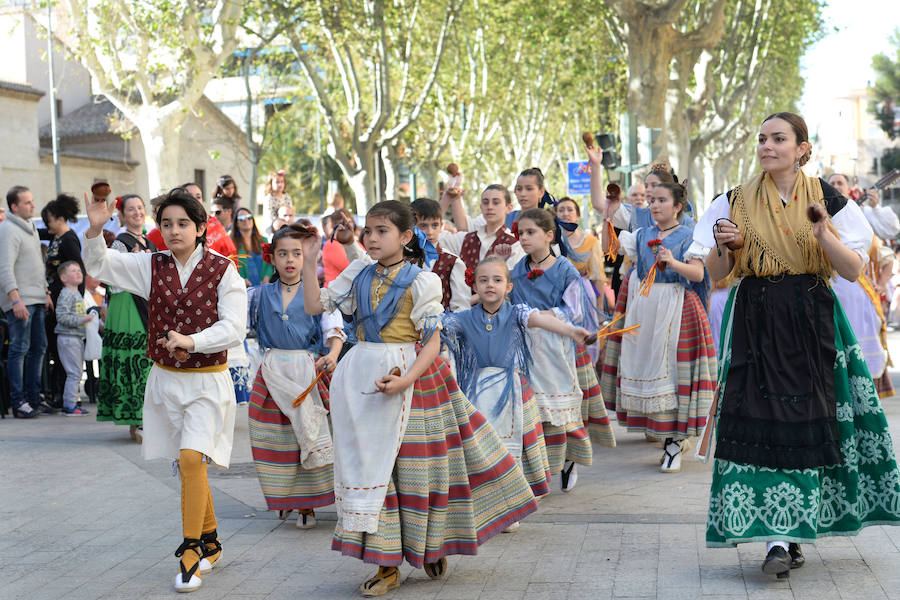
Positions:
{"x": 152, "y": 60}
{"x": 371, "y": 68}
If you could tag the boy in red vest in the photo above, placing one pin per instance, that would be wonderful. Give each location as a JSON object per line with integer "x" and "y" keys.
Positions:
{"x": 457, "y": 294}
{"x": 197, "y": 311}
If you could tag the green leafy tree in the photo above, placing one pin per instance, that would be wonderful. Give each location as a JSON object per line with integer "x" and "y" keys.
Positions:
{"x": 886, "y": 91}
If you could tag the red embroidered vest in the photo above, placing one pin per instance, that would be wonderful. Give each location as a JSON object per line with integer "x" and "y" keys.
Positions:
{"x": 471, "y": 246}
{"x": 186, "y": 310}
{"x": 442, "y": 267}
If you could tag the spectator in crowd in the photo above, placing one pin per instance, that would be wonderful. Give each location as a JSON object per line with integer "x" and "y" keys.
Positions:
{"x": 25, "y": 300}
{"x": 71, "y": 317}
{"x": 327, "y": 227}
{"x": 276, "y": 197}
{"x": 216, "y": 237}
{"x": 226, "y": 187}
{"x": 125, "y": 365}
{"x": 2, "y": 214}
{"x": 334, "y": 258}
{"x": 883, "y": 219}
{"x": 637, "y": 195}
{"x": 64, "y": 247}
{"x": 337, "y": 203}
{"x": 284, "y": 215}
{"x": 222, "y": 208}
{"x": 248, "y": 241}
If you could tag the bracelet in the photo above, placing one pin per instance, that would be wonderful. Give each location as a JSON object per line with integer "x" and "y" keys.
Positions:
{"x": 15, "y": 302}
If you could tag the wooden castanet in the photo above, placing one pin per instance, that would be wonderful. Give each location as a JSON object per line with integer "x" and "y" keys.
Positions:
{"x": 588, "y": 138}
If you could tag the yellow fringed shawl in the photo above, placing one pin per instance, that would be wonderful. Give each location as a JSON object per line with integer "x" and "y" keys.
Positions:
{"x": 778, "y": 237}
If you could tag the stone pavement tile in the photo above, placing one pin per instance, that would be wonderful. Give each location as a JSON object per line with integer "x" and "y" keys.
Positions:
{"x": 505, "y": 595}
{"x": 547, "y": 591}
{"x": 553, "y": 569}
{"x": 725, "y": 580}
{"x": 475, "y": 570}
{"x": 510, "y": 576}
{"x": 785, "y": 594}
{"x": 465, "y": 591}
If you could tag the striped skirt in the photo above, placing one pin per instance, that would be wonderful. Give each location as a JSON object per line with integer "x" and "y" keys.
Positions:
{"x": 696, "y": 365}
{"x": 276, "y": 455}
{"x": 454, "y": 485}
{"x": 535, "y": 463}
{"x": 573, "y": 440}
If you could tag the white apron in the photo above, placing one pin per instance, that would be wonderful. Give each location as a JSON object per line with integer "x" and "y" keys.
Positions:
{"x": 368, "y": 430}
{"x": 864, "y": 321}
{"x": 554, "y": 378}
{"x": 287, "y": 373}
{"x": 648, "y": 367}
{"x": 508, "y": 424}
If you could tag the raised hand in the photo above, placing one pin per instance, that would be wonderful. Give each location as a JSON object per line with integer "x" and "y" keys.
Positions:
{"x": 99, "y": 214}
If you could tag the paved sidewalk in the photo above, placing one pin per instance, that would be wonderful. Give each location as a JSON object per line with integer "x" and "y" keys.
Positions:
{"x": 83, "y": 516}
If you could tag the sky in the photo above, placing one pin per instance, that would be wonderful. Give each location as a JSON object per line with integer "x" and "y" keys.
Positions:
{"x": 842, "y": 60}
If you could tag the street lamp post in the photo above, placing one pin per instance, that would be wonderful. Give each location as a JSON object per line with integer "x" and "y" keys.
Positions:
{"x": 53, "y": 135}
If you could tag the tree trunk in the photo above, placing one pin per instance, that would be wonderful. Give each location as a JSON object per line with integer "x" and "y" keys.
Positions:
{"x": 428, "y": 172}
{"x": 162, "y": 144}
{"x": 650, "y": 50}
{"x": 391, "y": 173}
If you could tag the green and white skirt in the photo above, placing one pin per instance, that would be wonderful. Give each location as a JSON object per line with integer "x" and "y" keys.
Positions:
{"x": 124, "y": 365}
{"x": 750, "y": 503}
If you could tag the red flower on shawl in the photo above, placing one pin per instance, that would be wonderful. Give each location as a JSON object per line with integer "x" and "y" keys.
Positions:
{"x": 515, "y": 230}
{"x": 534, "y": 274}
{"x": 266, "y": 248}
{"x": 655, "y": 243}
{"x": 470, "y": 277}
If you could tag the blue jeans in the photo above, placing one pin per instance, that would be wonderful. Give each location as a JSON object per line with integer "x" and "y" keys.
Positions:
{"x": 27, "y": 339}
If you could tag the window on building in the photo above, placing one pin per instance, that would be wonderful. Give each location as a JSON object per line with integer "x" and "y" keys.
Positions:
{"x": 200, "y": 179}
{"x": 59, "y": 107}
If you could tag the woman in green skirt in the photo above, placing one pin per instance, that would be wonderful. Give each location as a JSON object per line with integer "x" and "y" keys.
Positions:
{"x": 802, "y": 445}
{"x": 124, "y": 365}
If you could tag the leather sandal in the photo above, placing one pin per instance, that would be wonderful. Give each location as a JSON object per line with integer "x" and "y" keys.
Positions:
{"x": 387, "y": 579}
{"x": 438, "y": 569}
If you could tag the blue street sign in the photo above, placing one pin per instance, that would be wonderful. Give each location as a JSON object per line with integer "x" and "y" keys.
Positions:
{"x": 579, "y": 178}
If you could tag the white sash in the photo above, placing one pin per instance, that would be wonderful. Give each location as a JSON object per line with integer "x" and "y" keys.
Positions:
{"x": 287, "y": 373}
{"x": 648, "y": 366}
{"x": 368, "y": 430}
{"x": 508, "y": 424}
{"x": 553, "y": 377}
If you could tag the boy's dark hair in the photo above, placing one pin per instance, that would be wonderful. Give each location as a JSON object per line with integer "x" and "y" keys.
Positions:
{"x": 224, "y": 201}
{"x": 426, "y": 208}
{"x": 63, "y": 267}
{"x": 195, "y": 211}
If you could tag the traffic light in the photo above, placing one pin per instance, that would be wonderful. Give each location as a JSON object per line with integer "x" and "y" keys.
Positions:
{"x": 607, "y": 143}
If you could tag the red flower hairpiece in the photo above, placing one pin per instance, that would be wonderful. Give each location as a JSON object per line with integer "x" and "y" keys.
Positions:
{"x": 515, "y": 230}
{"x": 470, "y": 277}
{"x": 119, "y": 203}
{"x": 534, "y": 274}
{"x": 266, "y": 249}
